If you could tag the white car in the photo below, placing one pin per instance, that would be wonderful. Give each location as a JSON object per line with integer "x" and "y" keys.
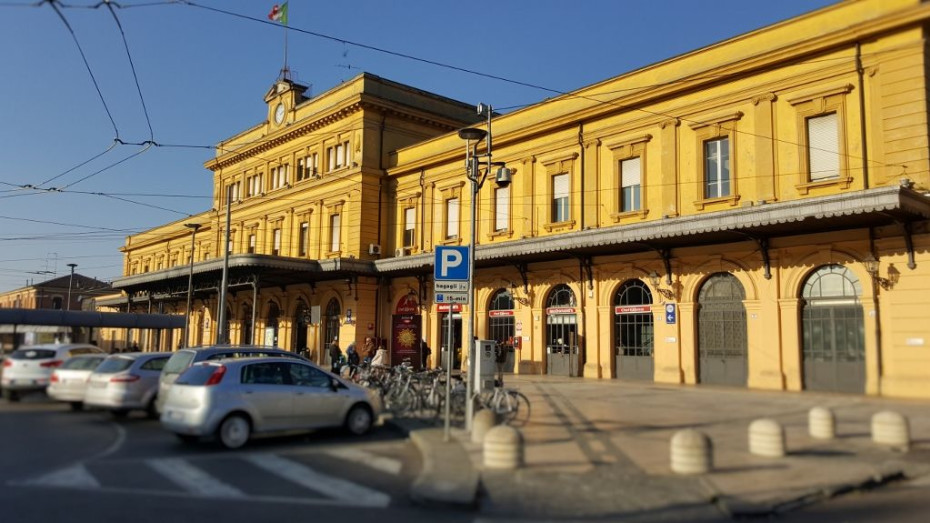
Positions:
{"x": 234, "y": 399}
{"x": 30, "y": 368}
{"x": 125, "y": 382}
{"x": 69, "y": 381}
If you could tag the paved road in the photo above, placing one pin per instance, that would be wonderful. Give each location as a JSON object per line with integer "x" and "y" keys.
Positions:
{"x": 58, "y": 465}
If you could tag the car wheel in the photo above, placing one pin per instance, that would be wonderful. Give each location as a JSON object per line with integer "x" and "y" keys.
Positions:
{"x": 11, "y": 395}
{"x": 358, "y": 420}
{"x": 119, "y": 413}
{"x": 76, "y": 406}
{"x": 234, "y": 431}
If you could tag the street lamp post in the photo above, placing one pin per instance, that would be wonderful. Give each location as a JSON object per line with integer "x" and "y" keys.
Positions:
{"x": 190, "y": 282}
{"x": 70, "y": 281}
{"x": 474, "y": 162}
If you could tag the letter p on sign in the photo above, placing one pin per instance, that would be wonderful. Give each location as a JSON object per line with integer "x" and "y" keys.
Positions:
{"x": 451, "y": 263}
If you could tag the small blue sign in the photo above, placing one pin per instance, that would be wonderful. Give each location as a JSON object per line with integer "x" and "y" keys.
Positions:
{"x": 670, "y": 315}
{"x": 451, "y": 264}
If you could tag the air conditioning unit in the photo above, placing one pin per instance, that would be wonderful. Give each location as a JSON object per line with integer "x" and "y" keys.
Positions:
{"x": 374, "y": 249}
{"x": 400, "y": 252}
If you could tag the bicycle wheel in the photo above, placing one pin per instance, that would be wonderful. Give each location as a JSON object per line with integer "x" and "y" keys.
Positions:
{"x": 521, "y": 412}
{"x": 505, "y": 405}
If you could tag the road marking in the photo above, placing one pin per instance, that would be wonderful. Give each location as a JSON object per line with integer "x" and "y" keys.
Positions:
{"x": 75, "y": 476}
{"x": 192, "y": 478}
{"x": 328, "y": 485}
{"x": 381, "y": 463}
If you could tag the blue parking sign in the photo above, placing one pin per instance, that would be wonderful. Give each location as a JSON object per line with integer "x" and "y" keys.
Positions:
{"x": 451, "y": 264}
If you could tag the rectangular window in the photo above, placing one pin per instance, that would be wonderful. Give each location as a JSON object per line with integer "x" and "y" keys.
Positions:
{"x": 560, "y": 212}
{"x": 276, "y": 248}
{"x": 304, "y": 238}
{"x": 331, "y": 158}
{"x": 334, "y": 226}
{"x": 410, "y": 226}
{"x": 452, "y": 218}
{"x": 630, "y": 179}
{"x": 717, "y": 168}
{"x": 502, "y": 209}
{"x": 314, "y": 164}
{"x": 251, "y": 244}
{"x": 302, "y": 173}
{"x": 823, "y": 147}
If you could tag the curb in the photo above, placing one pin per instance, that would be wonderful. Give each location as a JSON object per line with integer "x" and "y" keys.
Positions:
{"x": 448, "y": 477}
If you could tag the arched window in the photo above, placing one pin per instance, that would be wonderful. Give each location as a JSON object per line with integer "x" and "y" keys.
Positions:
{"x": 562, "y": 332}
{"x": 331, "y": 322}
{"x": 722, "y": 340}
{"x": 501, "y": 325}
{"x": 633, "y": 331}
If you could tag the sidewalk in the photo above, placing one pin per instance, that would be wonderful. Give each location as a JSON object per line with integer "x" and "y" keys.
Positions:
{"x": 599, "y": 449}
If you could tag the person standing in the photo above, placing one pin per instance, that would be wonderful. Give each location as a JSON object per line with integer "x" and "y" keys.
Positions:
{"x": 425, "y": 352}
{"x": 368, "y": 349}
{"x": 335, "y": 354}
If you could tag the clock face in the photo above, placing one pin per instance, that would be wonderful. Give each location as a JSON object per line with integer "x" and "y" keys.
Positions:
{"x": 279, "y": 113}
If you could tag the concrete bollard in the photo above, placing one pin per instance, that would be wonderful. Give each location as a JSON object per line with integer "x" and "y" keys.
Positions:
{"x": 692, "y": 452}
{"x": 503, "y": 448}
{"x": 891, "y": 429}
{"x": 821, "y": 424}
{"x": 766, "y": 438}
{"x": 482, "y": 422}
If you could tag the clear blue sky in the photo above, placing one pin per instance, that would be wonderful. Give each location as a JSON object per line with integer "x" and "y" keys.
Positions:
{"x": 202, "y": 75}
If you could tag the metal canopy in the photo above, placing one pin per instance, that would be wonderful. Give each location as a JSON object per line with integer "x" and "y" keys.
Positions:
{"x": 89, "y": 319}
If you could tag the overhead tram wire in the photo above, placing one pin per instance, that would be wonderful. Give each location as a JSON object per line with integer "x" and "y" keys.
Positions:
{"x": 132, "y": 66}
{"x": 64, "y": 20}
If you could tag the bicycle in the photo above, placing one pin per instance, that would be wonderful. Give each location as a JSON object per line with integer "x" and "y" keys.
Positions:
{"x": 511, "y": 406}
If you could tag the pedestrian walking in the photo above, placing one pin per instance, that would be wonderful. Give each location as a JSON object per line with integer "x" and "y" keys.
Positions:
{"x": 335, "y": 355}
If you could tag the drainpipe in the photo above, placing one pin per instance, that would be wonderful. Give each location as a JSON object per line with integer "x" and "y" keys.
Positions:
{"x": 860, "y": 72}
{"x": 581, "y": 144}
{"x": 878, "y": 316}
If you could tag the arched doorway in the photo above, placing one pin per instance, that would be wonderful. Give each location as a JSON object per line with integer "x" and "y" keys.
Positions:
{"x": 450, "y": 312}
{"x": 301, "y": 322}
{"x": 722, "y": 343}
{"x": 562, "y": 332}
{"x": 833, "y": 331}
{"x": 271, "y": 324}
{"x": 331, "y": 328}
{"x": 245, "y": 319}
{"x": 634, "y": 333}
{"x": 501, "y": 325}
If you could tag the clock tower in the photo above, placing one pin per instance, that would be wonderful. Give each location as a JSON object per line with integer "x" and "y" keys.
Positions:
{"x": 282, "y": 98}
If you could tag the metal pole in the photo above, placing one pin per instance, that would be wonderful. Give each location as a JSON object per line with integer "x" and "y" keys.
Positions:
{"x": 70, "y": 281}
{"x": 190, "y": 284}
{"x": 448, "y": 375}
{"x": 470, "y": 388}
{"x": 221, "y": 313}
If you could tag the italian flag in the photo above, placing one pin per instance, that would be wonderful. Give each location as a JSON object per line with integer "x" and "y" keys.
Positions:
{"x": 279, "y": 13}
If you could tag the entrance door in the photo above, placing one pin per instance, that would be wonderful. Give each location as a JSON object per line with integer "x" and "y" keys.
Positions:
{"x": 456, "y": 340}
{"x": 833, "y": 331}
{"x": 722, "y": 343}
{"x": 633, "y": 331}
{"x": 562, "y": 354}
{"x": 501, "y": 327}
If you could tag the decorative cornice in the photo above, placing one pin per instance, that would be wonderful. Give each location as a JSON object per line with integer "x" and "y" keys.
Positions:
{"x": 764, "y": 97}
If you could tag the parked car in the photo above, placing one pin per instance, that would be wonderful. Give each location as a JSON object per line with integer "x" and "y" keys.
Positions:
{"x": 184, "y": 358}
{"x": 234, "y": 399}
{"x": 125, "y": 382}
{"x": 69, "y": 381}
{"x": 30, "y": 368}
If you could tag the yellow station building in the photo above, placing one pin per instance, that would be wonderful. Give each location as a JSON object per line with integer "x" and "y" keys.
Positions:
{"x": 754, "y": 213}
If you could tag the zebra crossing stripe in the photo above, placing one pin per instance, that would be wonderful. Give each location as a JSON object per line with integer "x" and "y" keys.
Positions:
{"x": 76, "y": 476}
{"x": 193, "y": 479}
{"x": 329, "y": 485}
{"x": 381, "y": 463}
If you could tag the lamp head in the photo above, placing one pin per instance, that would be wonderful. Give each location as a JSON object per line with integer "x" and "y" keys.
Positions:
{"x": 503, "y": 177}
{"x": 472, "y": 134}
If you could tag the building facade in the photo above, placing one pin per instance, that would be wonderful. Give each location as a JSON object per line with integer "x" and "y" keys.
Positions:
{"x": 753, "y": 213}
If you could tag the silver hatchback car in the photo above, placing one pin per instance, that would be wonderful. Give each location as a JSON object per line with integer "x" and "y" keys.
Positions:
{"x": 125, "y": 382}
{"x": 234, "y": 399}
{"x": 69, "y": 381}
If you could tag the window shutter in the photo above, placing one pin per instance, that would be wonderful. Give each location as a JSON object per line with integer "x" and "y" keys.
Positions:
{"x": 823, "y": 147}
{"x": 452, "y": 218}
{"x": 410, "y": 218}
{"x": 502, "y": 209}
{"x": 630, "y": 172}
{"x": 560, "y": 186}
{"x": 334, "y": 223}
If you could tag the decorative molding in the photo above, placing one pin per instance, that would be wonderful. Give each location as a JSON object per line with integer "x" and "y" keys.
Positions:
{"x": 764, "y": 97}
{"x": 674, "y": 122}
{"x": 808, "y": 96}
{"x": 613, "y": 145}
{"x": 717, "y": 119}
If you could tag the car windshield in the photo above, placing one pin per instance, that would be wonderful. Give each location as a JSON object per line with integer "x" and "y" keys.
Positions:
{"x": 197, "y": 375}
{"x": 178, "y": 362}
{"x": 83, "y": 363}
{"x": 32, "y": 354}
{"x": 114, "y": 364}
